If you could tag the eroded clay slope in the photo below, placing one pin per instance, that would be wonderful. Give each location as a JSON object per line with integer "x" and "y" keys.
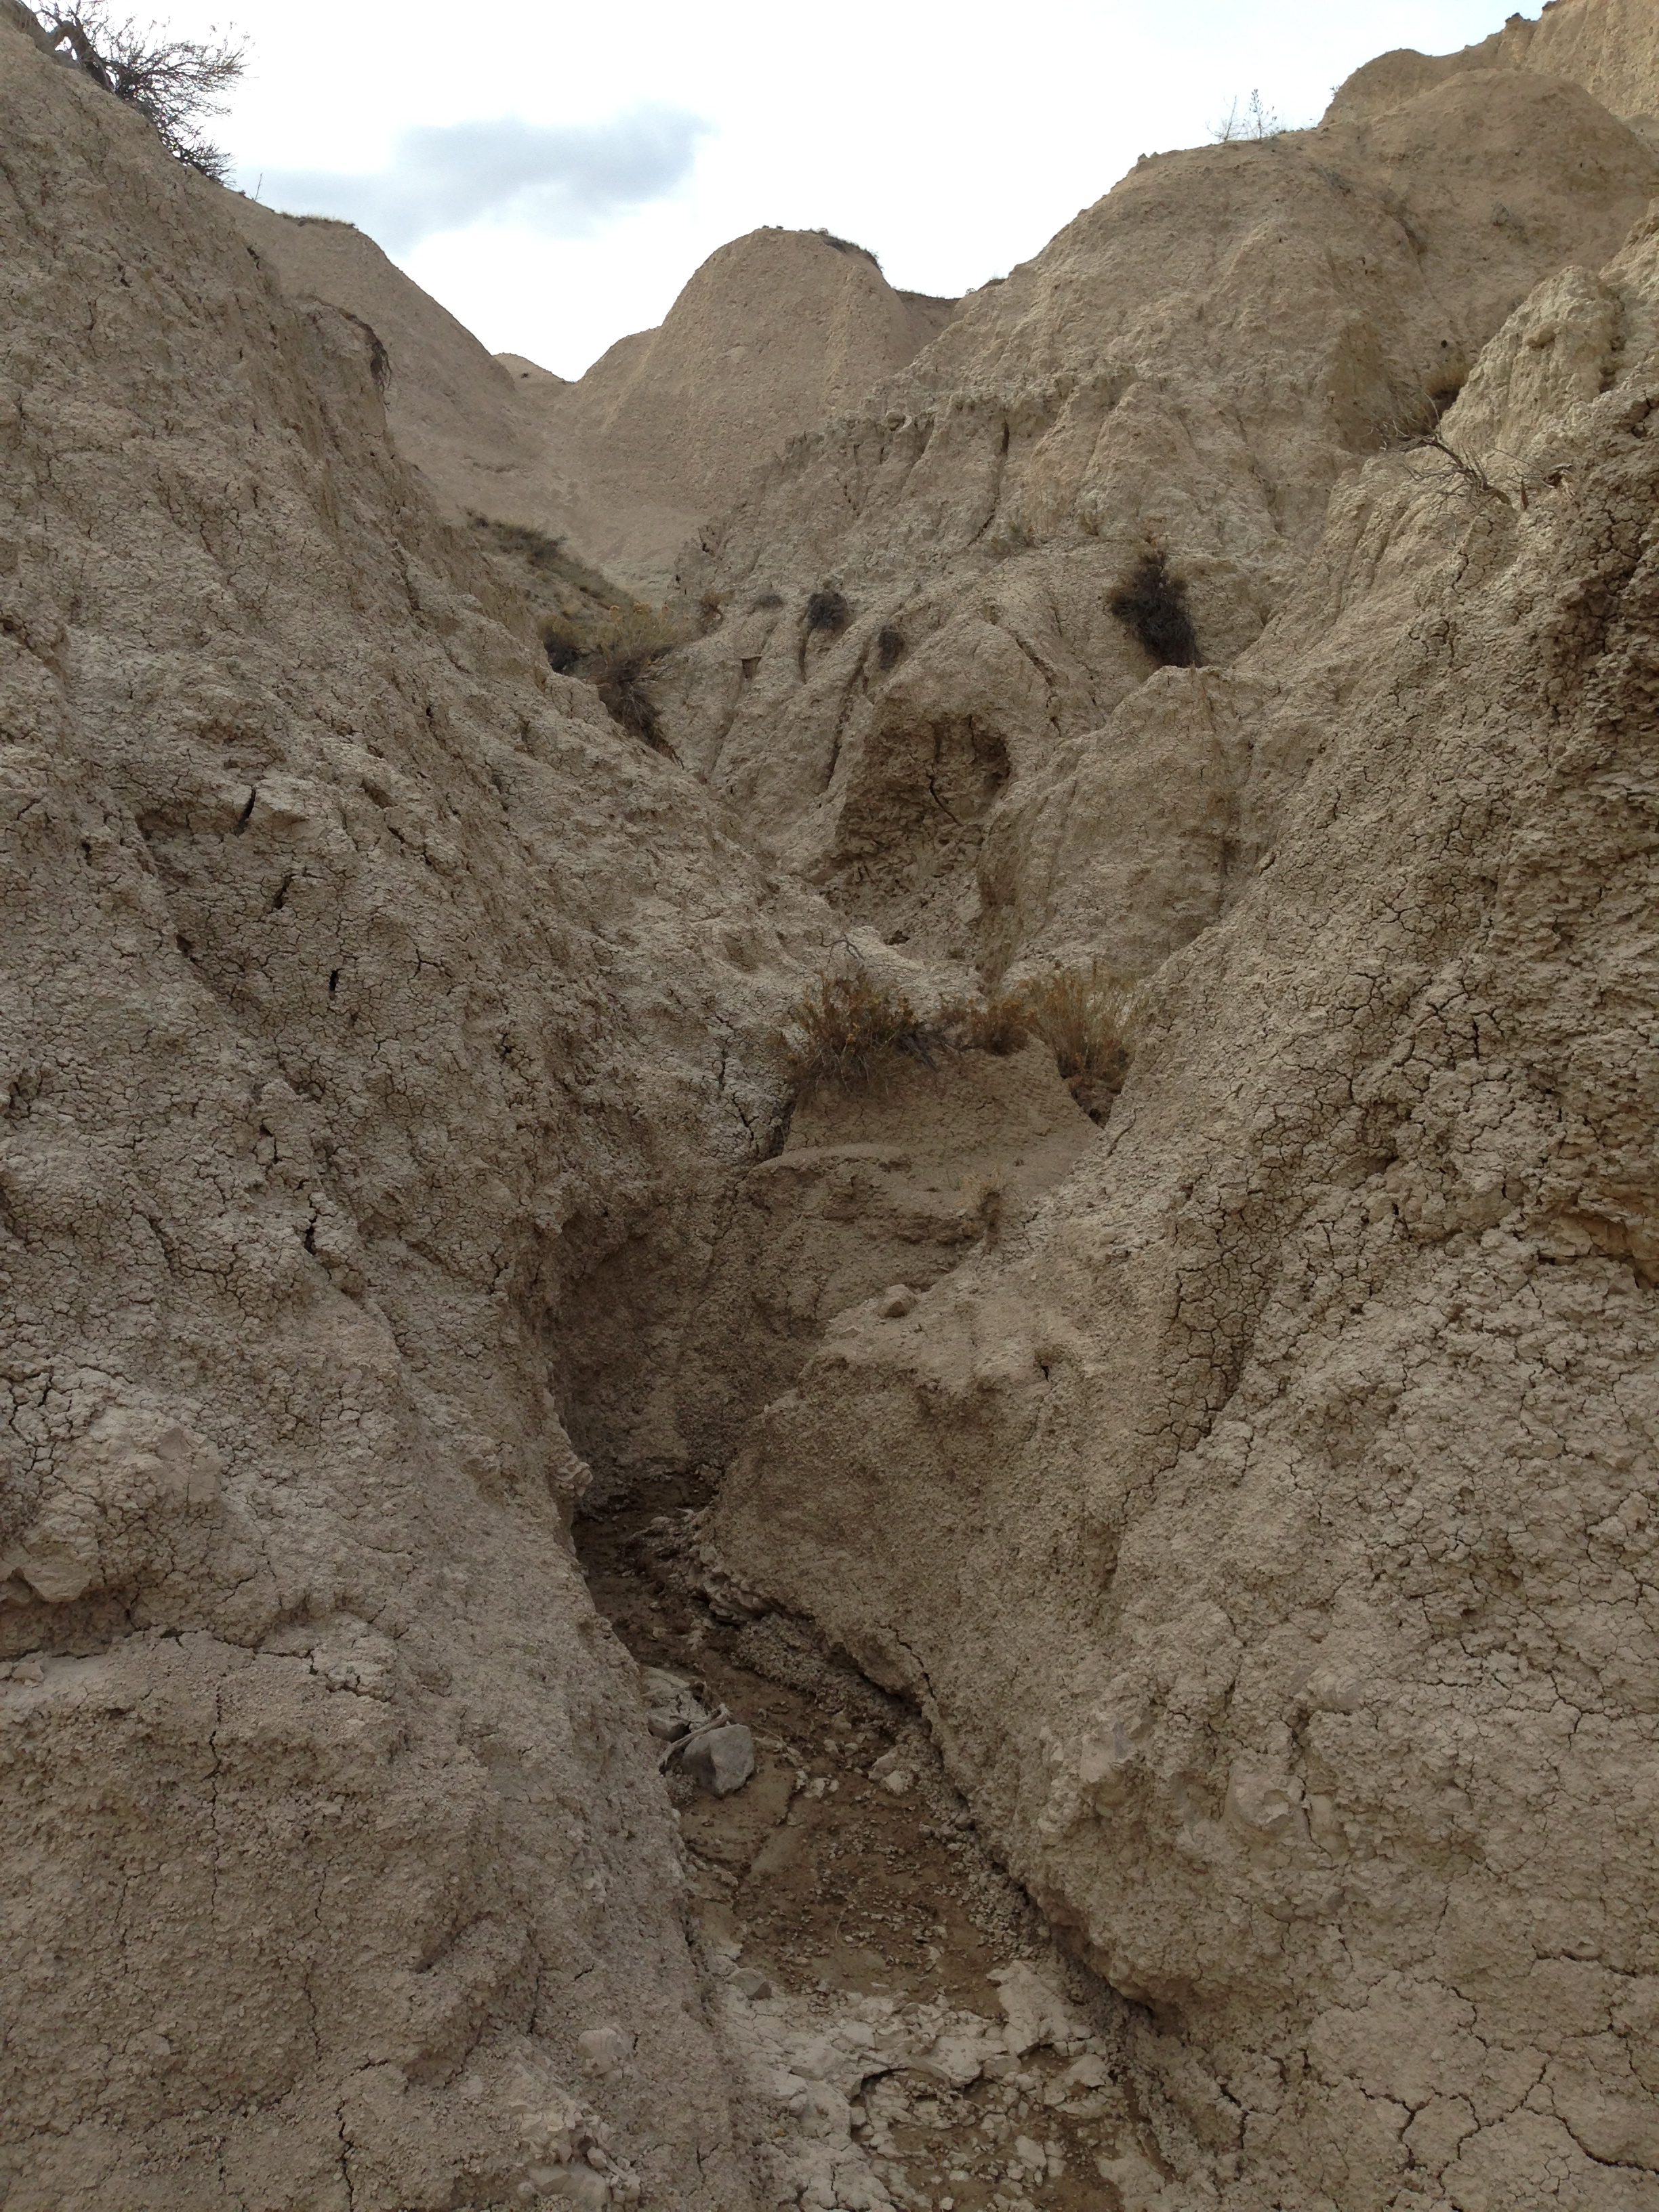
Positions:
{"x": 452, "y": 407}
{"x": 1269, "y": 1537}
{"x": 1610, "y": 47}
{"x": 361, "y": 982}
{"x": 919, "y": 618}
{"x": 773, "y": 332}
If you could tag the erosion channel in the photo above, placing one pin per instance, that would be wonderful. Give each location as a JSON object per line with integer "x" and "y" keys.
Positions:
{"x": 829, "y": 1210}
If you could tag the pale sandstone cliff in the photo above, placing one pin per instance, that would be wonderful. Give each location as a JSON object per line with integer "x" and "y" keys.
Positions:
{"x": 1610, "y": 47}
{"x": 1190, "y": 367}
{"x": 775, "y": 332}
{"x": 1285, "y": 1488}
{"x": 1291, "y": 1489}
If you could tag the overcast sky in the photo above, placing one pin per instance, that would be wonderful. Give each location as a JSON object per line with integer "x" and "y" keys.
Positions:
{"x": 554, "y": 174}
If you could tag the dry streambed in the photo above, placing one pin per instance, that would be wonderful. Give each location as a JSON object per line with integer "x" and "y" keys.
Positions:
{"x": 906, "y": 2034}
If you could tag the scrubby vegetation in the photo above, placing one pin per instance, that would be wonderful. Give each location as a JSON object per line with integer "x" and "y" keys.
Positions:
{"x": 1152, "y": 603}
{"x": 562, "y": 573}
{"x": 618, "y": 655}
{"x": 828, "y": 610}
{"x": 840, "y": 1032}
{"x": 847, "y": 245}
{"x": 1252, "y": 120}
{"x": 999, "y": 1026}
{"x": 589, "y": 629}
{"x": 890, "y": 648}
{"x": 844, "y": 1027}
{"x": 1083, "y": 1016}
{"x": 173, "y": 81}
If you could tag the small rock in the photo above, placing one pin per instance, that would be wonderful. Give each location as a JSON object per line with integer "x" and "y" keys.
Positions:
{"x": 896, "y": 1302}
{"x": 750, "y": 1982}
{"x": 28, "y": 1670}
{"x": 1090, "y": 2072}
{"x": 722, "y": 1760}
{"x": 604, "y": 2049}
{"x": 898, "y": 1781}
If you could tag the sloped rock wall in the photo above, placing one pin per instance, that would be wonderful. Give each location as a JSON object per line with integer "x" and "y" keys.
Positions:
{"x": 346, "y": 960}
{"x": 1188, "y": 368}
{"x": 1288, "y": 1497}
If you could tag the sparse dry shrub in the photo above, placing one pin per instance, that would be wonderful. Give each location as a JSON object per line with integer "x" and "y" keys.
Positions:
{"x": 840, "y": 1032}
{"x": 1083, "y": 1016}
{"x": 890, "y": 648}
{"x": 173, "y": 81}
{"x": 618, "y": 656}
{"x": 1252, "y": 120}
{"x": 530, "y": 544}
{"x": 997, "y": 1025}
{"x": 828, "y": 610}
{"x": 1152, "y": 603}
{"x": 547, "y": 558}
{"x": 846, "y": 246}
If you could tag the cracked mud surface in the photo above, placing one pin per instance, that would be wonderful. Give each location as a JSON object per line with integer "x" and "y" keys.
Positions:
{"x": 860, "y": 1944}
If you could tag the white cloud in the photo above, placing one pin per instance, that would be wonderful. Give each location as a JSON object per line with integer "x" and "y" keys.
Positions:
{"x": 561, "y": 180}
{"x": 951, "y": 137}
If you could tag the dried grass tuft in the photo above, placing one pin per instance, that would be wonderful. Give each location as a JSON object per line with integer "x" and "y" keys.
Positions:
{"x": 840, "y": 1032}
{"x": 844, "y": 1027}
{"x": 997, "y": 1025}
{"x": 618, "y": 656}
{"x": 1083, "y": 1016}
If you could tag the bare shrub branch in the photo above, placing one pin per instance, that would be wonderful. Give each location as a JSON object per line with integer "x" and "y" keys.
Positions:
{"x": 174, "y": 81}
{"x": 1252, "y": 121}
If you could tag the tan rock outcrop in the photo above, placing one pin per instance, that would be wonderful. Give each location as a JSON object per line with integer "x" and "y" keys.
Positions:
{"x": 348, "y": 964}
{"x": 1288, "y": 1497}
{"x": 1610, "y": 47}
{"x": 452, "y": 408}
{"x": 1187, "y": 370}
{"x": 775, "y": 332}
{"x": 1256, "y": 1497}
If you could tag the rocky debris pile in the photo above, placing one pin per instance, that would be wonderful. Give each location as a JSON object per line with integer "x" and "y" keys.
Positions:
{"x": 710, "y": 1749}
{"x": 874, "y": 2103}
{"x": 568, "y": 2157}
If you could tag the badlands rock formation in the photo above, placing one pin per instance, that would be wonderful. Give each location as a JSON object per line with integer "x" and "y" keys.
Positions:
{"x": 1253, "y": 1499}
{"x": 1190, "y": 367}
{"x": 773, "y": 333}
{"x": 1611, "y": 47}
{"x": 362, "y": 984}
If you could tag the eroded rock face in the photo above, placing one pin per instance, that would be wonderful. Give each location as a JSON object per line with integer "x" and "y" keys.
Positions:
{"x": 1610, "y": 47}
{"x": 1289, "y": 1499}
{"x": 1255, "y": 1497}
{"x": 775, "y": 332}
{"x": 1186, "y": 370}
{"x": 625, "y": 465}
{"x": 334, "y": 986}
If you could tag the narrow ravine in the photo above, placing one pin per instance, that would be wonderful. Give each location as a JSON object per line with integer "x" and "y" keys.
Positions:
{"x": 906, "y": 2031}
